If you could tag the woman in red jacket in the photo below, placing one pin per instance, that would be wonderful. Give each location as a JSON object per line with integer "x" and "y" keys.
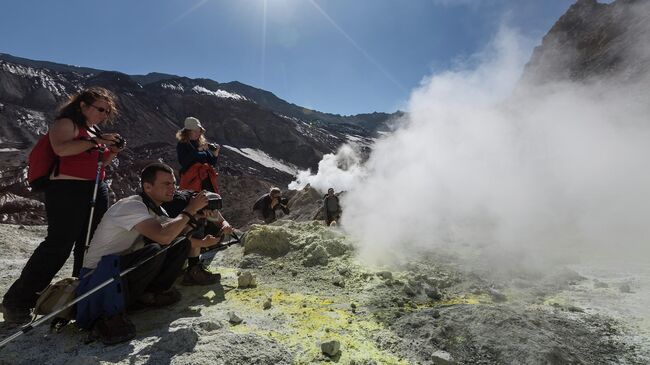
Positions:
{"x": 197, "y": 157}
{"x": 79, "y": 147}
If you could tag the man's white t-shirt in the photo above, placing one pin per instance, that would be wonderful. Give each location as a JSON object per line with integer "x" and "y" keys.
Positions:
{"x": 115, "y": 233}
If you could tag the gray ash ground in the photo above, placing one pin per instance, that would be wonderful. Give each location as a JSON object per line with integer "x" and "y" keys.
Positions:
{"x": 311, "y": 289}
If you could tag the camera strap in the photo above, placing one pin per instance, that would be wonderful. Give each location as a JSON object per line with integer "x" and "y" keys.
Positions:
{"x": 152, "y": 206}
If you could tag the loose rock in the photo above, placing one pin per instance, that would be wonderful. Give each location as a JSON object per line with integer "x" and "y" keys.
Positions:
{"x": 386, "y": 275}
{"x": 330, "y": 348}
{"x": 625, "y": 288}
{"x": 234, "y": 319}
{"x": 246, "y": 280}
{"x": 442, "y": 358}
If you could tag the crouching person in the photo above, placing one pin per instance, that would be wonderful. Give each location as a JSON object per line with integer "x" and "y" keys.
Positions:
{"x": 211, "y": 230}
{"x": 136, "y": 234}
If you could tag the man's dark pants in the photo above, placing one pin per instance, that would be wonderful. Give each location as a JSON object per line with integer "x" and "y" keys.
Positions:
{"x": 157, "y": 274}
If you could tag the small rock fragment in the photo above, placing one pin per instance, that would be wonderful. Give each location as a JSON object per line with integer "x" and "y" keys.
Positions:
{"x": 330, "y": 348}
{"x": 442, "y": 358}
{"x": 246, "y": 280}
{"x": 210, "y": 326}
{"x": 433, "y": 293}
{"x": 600, "y": 285}
{"x": 386, "y": 275}
{"x": 267, "y": 304}
{"x": 497, "y": 296}
{"x": 339, "y": 282}
{"x": 409, "y": 290}
{"x": 234, "y": 318}
{"x": 625, "y": 288}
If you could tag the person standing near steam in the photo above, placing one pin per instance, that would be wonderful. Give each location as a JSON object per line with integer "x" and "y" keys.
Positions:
{"x": 197, "y": 157}
{"x": 331, "y": 207}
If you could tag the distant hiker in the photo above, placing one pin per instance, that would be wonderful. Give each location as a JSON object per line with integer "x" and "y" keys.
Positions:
{"x": 76, "y": 142}
{"x": 133, "y": 229}
{"x": 331, "y": 207}
{"x": 211, "y": 225}
{"x": 197, "y": 157}
{"x": 267, "y": 204}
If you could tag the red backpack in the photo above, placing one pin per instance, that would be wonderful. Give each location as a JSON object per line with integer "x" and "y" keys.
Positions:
{"x": 40, "y": 164}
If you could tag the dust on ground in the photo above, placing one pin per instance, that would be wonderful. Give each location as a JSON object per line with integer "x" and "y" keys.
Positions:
{"x": 314, "y": 302}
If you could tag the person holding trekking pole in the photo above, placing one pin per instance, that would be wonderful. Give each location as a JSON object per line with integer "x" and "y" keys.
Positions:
{"x": 74, "y": 183}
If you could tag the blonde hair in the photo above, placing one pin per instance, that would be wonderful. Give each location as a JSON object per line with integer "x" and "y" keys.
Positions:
{"x": 183, "y": 136}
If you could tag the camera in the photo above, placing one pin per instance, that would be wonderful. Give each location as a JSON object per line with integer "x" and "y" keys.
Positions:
{"x": 284, "y": 200}
{"x": 213, "y": 146}
{"x": 119, "y": 142}
{"x": 214, "y": 201}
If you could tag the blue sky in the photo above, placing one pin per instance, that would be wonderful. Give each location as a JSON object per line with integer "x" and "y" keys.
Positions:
{"x": 337, "y": 56}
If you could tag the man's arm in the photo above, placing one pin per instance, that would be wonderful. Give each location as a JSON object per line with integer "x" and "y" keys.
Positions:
{"x": 165, "y": 233}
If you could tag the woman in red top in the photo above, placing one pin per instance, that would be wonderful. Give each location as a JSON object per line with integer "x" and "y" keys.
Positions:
{"x": 68, "y": 195}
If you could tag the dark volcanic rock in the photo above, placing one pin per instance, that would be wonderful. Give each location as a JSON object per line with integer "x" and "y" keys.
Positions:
{"x": 594, "y": 40}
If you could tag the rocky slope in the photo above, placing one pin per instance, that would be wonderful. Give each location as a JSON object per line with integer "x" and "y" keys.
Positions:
{"x": 594, "y": 40}
{"x": 265, "y": 139}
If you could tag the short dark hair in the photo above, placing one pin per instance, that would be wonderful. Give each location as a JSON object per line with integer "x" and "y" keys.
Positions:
{"x": 148, "y": 174}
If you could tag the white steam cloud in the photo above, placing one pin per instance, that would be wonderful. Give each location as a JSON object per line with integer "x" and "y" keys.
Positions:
{"x": 537, "y": 170}
{"x": 341, "y": 171}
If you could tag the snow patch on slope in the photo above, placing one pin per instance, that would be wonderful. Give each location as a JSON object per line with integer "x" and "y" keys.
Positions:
{"x": 219, "y": 93}
{"x": 174, "y": 87}
{"x": 265, "y": 160}
{"x": 33, "y": 120}
{"x": 41, "y": 77}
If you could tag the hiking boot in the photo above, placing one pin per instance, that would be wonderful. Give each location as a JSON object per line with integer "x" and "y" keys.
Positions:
{"x": 113, "y": 330}
{"x": 15, "y": 315}
{"x": 198, "y": 275}
{"x": 163, "y": 299}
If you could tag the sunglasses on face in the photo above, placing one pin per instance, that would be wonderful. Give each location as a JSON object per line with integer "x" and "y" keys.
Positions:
{"x": 100, "y": 109}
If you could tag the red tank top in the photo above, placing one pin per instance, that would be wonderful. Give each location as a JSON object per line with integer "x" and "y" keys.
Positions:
{"x": 84, "y": 164}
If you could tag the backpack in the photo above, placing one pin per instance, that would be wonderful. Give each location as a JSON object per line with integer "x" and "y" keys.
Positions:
{"x": 56, "y": 296}
{"x": 40, "y": 164}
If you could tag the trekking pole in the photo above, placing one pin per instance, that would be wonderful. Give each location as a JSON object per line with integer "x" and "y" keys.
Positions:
{"x": 100, "y": 166}
{"x": 30, "y": 326}
{"x": 223, "y": 246}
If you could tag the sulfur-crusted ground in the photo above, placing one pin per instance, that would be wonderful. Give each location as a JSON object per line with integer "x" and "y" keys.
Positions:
{"x": 310, "y": 289}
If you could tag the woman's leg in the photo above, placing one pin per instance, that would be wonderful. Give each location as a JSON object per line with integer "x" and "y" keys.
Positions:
{"x": 66, "y": 204}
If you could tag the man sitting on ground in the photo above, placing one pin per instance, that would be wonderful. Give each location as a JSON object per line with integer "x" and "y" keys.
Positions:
{"x": 267, "y": 204}
{"x": 133, "y": 230}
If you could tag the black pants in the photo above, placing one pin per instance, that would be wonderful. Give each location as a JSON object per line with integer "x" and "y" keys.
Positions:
{"x": 67, "y": 204}
{"x": 331, "y": 216}
{"x": 157, "y": 274}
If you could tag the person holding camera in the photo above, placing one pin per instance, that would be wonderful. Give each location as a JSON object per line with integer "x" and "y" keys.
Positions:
{"x": 211, "y": 230}
{"x": 267, "y": 204}
{"x": 79, "y": 147}
{"x": 136, "y": 232}
{"x": 197, "y": 157}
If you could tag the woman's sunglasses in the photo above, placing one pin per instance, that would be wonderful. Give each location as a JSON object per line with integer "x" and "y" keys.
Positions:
{"x": 101, "y": 110}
